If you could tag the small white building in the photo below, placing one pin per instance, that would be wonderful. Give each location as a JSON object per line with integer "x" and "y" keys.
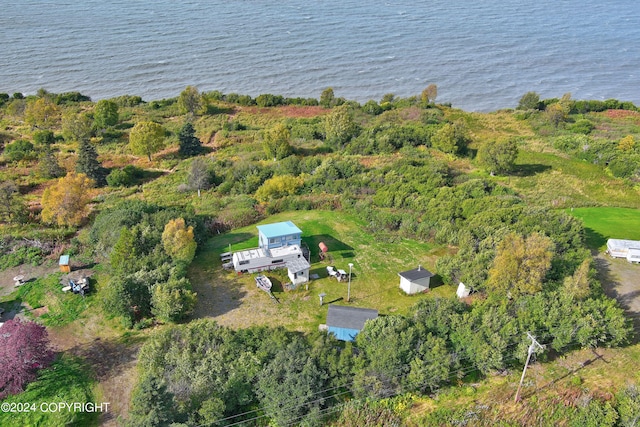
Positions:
{"x": 298, "y": 270}
{"x": 415, "y": 281}
{"x": 463, "y": 291}
{"x": 628, "y": 249}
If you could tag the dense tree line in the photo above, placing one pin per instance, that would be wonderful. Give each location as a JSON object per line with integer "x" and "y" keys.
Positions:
{"x": 203, "y": 373}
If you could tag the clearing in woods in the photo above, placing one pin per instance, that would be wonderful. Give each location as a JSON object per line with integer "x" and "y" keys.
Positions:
{"x": 234, "y": 300}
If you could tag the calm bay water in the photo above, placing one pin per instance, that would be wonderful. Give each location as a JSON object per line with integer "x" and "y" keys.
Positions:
{"x": 483, "y": 55}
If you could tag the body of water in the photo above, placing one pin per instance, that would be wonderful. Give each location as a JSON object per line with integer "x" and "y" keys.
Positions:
{"x": 482, "y": 55}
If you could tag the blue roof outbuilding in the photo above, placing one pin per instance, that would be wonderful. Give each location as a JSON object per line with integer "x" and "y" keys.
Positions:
{"x": 346, "y": 322}
{"x": 279, "y": 229}
{"x": 64, "y": 260}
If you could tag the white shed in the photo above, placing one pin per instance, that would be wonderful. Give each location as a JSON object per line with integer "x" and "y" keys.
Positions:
{"x": 298, "y": 270}
{"x": 415, "y": 281}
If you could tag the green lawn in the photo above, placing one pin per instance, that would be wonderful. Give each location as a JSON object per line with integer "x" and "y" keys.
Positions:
{"x": 375, "y": 281}
{"x": 68, "y": 380}
{"x": 608, "y": 223}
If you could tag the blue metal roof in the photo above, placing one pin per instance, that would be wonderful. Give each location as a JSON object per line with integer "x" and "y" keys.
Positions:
{"x": 279, "y": 229}
{"x": 64, "y": 260}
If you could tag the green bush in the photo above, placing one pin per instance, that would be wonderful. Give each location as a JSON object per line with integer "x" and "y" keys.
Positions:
{"x": 44, "y": 137}
{"x": 124, "y": 177}
{"x": 22, "y": 255}
{"x": 19, "y": 150}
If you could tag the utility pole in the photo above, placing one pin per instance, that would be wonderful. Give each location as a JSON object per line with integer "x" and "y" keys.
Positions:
{"x": 532, "y": 349}
{"x": 349, "y": 286}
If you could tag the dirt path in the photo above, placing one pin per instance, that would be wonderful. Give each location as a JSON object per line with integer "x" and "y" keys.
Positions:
{"x": 112, "y": 361}
{"x": 621, "y": 280}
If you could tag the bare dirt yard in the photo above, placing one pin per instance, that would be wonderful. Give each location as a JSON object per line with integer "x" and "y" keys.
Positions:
{"x": 621, "y": 280}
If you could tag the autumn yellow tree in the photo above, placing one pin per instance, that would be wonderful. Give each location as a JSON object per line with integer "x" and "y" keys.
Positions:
{"x": 520, "y": 264}
{"x": 67, "y": 201}
{"x": 627, "y": 143}
{"x": 178, "y": 241}
{"x": 578, "y": 285}
{"x": 42, "y": 113}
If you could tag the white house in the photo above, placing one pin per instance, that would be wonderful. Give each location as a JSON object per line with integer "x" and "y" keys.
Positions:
{"x": 629, "y": 249}
{"x": 415, "y": 281}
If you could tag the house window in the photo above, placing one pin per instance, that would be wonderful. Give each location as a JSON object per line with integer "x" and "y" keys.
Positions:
{"x": 272, "y": 240}
{"x": 290, "y": 237}
{"x": 245, "y": 262}
{"x": 277, "y": 261}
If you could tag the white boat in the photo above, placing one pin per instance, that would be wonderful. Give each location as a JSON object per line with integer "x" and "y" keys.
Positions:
{"x": 263, "y": 283}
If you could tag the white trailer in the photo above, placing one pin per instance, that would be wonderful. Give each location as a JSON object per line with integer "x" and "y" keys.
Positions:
{"x": 256, "y": 260}
{"x": 628, "y": 249}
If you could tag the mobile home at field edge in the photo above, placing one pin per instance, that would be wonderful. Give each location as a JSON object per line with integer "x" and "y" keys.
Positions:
{"x": 628, "y": 249}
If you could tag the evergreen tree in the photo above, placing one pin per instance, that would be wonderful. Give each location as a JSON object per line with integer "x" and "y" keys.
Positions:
{"x": 190, "y": 145}
{"x": 89, "y": 165}
{"x": 49, "y": 166}
{"x": 152, "y": 404}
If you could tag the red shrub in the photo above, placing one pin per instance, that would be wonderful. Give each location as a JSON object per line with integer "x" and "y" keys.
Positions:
{"x": 24, "y": 348}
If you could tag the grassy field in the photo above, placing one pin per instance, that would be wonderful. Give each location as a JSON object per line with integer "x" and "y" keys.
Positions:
{"x": 561, "y": 182}
{"x": 235, "y": 301}
{"x": 604, "y": 223}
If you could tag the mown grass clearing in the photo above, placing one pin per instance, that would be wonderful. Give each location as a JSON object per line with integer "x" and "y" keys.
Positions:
{"x": 235, "y": 301}
{"x": 604, "y": 223}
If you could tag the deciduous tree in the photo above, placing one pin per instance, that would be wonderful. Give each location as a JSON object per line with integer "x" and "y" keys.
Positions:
{"x": 24, "y": 349}
{"x": 429, "y": 94}
{"x": 190, "y": 100}
{"x": 578, "y": 284}
{"x": 339, "y": 126}
{"x": 520, "y": 264}
{"x": 66, "y": 201}
{"x": 498, "y": 156}
{"x": 327, "y": 97}
{"x": 76, "y": 126}
{"x": 275, "y": 142}
{"x": 529, "y": 101}
{"x": 172, "y": 301}
{"x": 278, "y": 186}
{"x": 444, "y": 139}
{"x": 178, "y": 241}
{"x": 42, "y": 113}
{"x": 146, "y": 138}
{"x": 105, "y": 114}
{"x": 199, "y": 177}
